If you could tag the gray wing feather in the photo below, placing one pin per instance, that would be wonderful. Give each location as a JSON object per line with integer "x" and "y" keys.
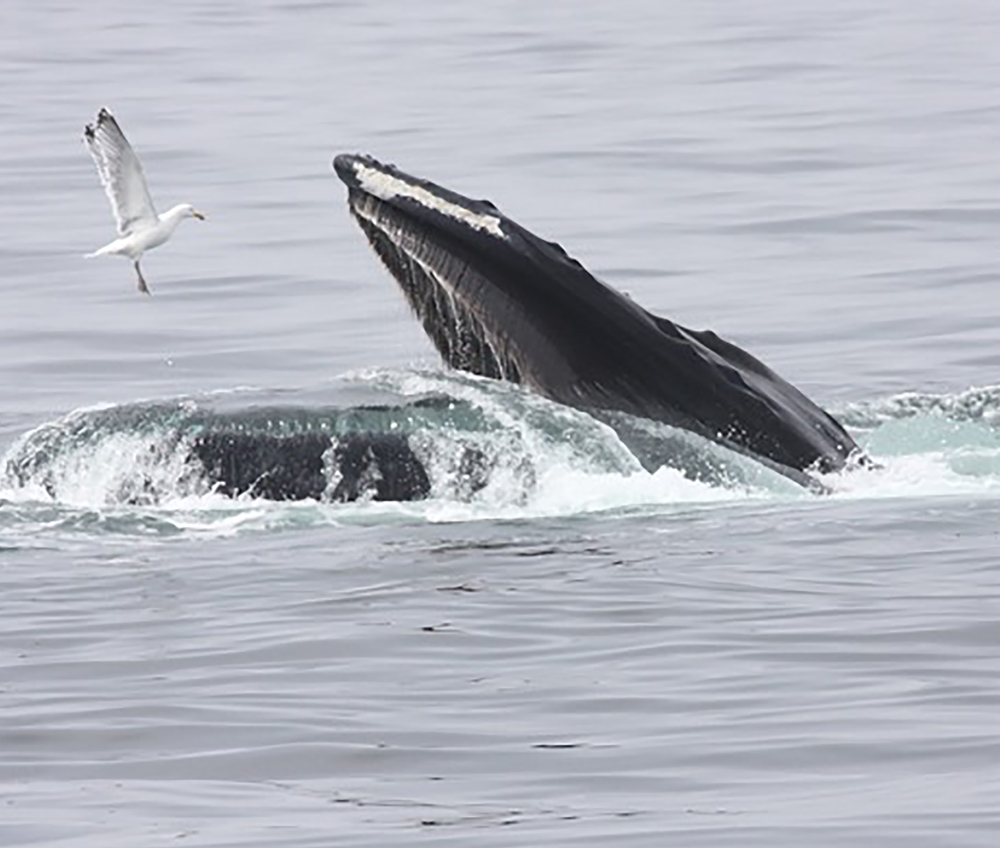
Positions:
{"x": 120, "y": 173}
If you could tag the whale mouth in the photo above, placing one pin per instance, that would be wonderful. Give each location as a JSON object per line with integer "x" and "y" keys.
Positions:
{"x": 436, "y": 281}
{"x": 470, "y": 275}
{"x": 498, "y": 301}
{"x": 494, "y": 299}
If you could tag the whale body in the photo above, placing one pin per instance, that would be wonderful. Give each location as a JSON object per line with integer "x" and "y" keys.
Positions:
{"x": 498, "y": 301}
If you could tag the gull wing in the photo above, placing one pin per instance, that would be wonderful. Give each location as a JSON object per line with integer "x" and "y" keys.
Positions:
{"x": 120, "y": 173}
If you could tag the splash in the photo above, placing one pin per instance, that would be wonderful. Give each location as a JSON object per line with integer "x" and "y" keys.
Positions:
{"x": 927, "y": 444}
{"x": 489, "y": 450}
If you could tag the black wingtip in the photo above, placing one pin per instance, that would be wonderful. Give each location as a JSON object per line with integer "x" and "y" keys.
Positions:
{"x": 102, "y": 115}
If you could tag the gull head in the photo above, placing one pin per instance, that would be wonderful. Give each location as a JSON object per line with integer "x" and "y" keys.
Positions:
{"x": 191, "y": 212}
{"x": 186, "y": 210}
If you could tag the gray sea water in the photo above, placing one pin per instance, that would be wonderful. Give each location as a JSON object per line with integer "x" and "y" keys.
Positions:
{"x": 582, "y": 653}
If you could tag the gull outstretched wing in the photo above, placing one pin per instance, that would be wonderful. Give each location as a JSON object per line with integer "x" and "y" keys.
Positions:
{"x": 120, "y": 173}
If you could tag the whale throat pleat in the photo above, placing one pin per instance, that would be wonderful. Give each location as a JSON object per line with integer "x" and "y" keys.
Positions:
{"x": 437, "y": 285}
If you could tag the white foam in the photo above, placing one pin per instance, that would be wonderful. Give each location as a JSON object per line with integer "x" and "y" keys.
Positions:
{"x": 932, "y": 474}
{"x": 386, "y": 187}
{"x": 578, "y": 465}
{"x": 544, "y": 460}
{"x": 563, "y": 491}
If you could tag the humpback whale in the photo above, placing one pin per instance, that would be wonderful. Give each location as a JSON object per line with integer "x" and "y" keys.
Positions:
{"x": 378, "y": 466}
{"x": 142, "y": 453}
{"x": 498, "y": 301}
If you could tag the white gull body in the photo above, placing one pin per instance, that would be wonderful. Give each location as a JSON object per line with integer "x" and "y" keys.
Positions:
{"x": 139, "y": 227}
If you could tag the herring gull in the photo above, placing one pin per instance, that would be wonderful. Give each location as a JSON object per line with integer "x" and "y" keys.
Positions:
{"x": 139, "y": 227}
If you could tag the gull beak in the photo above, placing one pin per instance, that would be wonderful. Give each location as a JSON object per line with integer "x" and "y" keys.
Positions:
{"x": 199, "y": 215}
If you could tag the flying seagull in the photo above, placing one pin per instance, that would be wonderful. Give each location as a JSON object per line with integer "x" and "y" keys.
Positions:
{"x": 139, "y": 227}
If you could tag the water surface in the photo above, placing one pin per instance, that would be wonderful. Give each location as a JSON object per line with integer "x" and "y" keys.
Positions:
{"x": 586, "y": 654}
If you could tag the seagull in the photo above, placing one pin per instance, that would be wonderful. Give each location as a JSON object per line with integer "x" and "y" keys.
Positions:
{"x": 139, "y": 227}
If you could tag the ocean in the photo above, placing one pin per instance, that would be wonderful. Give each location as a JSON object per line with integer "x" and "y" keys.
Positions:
{"x": 580, "y": 652}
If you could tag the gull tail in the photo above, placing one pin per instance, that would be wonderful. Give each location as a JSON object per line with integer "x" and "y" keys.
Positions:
{"x": 102, "y": 251}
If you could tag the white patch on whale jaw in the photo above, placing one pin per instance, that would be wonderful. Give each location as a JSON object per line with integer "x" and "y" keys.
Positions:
{"x": 385, "y": 187}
